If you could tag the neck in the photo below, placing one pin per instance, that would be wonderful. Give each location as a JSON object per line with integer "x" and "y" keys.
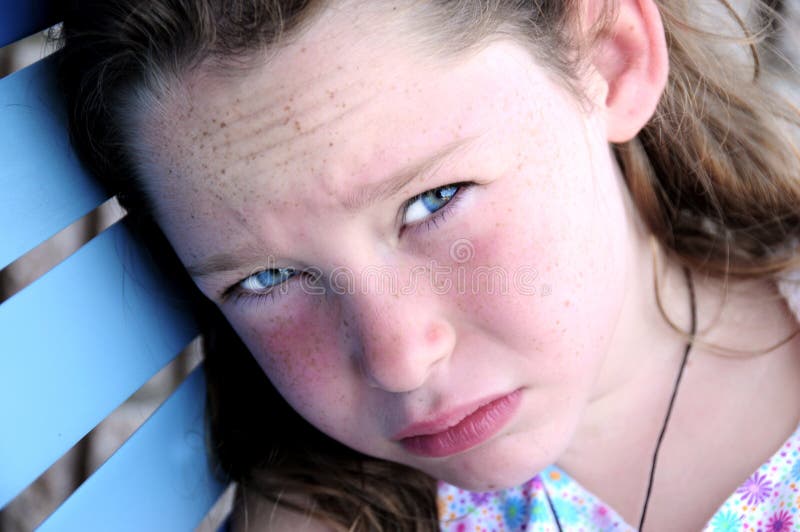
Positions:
{"x": 617, "y": 435}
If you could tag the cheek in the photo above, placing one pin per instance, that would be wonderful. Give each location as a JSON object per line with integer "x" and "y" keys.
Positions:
{"x": 560, "y": 262}
{"x": 296, "y": 344}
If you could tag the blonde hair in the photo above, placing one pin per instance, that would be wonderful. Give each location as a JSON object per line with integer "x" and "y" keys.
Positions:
{"x": 714, "y": 175}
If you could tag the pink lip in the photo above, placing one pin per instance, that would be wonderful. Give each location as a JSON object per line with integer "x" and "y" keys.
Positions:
{"x": 460, "y": 429}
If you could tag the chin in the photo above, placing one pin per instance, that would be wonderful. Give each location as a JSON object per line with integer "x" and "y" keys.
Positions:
{"x": 507, "y": 465}
{"x": 492, "y": 479}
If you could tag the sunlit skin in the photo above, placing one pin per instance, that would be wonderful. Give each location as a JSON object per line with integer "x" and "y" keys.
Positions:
{"x": 268, "y": 166}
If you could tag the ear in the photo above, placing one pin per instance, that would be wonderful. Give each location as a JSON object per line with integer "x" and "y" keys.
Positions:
{"x": 631, "y": 58}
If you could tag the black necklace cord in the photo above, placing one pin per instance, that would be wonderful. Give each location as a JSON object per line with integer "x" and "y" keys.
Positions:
{"x": 552, "y": 509}
{"x": 689, "y": 344}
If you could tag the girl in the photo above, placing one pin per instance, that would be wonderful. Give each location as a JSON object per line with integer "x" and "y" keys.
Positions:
{"x": 501, "y": 245}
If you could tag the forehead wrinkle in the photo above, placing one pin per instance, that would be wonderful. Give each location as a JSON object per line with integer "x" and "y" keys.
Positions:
{"x": 241, "y": 139}
{"x": 305, "y": 132}
{"x": 331, "y": 183}
{"x": 258, "y": 151}
{"x": 275, "y": 111}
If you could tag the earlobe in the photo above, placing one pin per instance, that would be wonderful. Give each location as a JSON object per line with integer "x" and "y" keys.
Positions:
{"x": 631, "y": 57}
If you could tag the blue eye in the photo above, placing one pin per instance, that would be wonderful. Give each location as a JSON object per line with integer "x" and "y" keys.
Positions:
{"x": 428, "y": 203}
{"x": 266, "y": 279}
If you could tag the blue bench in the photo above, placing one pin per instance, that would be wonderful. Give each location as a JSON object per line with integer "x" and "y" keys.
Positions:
{"x": 87, "y": 334}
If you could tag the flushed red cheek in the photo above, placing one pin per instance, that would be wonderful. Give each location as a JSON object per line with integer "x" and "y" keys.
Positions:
{"x": 509, "y": 285}
{"x": 536, "y": 315}
{"x": 297, "y": 351}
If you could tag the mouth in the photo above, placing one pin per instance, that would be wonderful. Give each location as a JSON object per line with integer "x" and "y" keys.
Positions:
{"x": 461, "y": 429}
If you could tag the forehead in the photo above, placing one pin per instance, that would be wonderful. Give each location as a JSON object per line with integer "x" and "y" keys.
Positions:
{"x": 340, "y": 106}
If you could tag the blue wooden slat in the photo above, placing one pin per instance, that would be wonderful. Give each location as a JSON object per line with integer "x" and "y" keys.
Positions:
{"x": 42, "y": 182}
{"x": 74, "y": 345}
{"x": 159, "y": 480}
{"x": 20, "y": 18}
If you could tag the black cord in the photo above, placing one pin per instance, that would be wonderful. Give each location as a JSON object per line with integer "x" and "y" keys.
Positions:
{"x": 552, "y": 508}
{"x": 674, "y": 393}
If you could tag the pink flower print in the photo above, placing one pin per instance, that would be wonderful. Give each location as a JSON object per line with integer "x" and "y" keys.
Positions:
{"x": 780, "y": 522}
{"x": 600, "y": 511}
{"x": 601, "y": 515}
{"x": 756, "y": 489}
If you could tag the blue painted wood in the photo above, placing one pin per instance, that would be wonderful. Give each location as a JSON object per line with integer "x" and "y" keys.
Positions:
{"x": 74, "y": 345}
{"x": 41, "y": 181}
{"x": 20, "y": 18}
{"x": 159, "y": 480}
{"x": 84, "y": 337}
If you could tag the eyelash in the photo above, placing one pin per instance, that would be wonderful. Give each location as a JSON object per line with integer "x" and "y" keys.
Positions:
{"x": 240, "y": 296}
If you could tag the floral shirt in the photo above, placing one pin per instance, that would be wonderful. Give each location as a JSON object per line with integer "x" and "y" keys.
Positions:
{"x": 768, "y": 501}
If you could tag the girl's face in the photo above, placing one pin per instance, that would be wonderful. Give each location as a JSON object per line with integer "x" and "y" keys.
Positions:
{"x": 448, "y": 240}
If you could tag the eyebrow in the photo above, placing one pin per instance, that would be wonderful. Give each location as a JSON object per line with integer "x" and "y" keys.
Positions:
{"x": 367, "y": 196}
{"x": 225, "y": 262}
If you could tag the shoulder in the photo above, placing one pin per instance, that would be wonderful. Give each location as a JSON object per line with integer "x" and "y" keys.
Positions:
{"x": 254, "y": 513}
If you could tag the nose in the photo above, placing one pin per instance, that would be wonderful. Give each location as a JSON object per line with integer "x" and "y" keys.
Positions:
{"x": 402, "y": 338}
